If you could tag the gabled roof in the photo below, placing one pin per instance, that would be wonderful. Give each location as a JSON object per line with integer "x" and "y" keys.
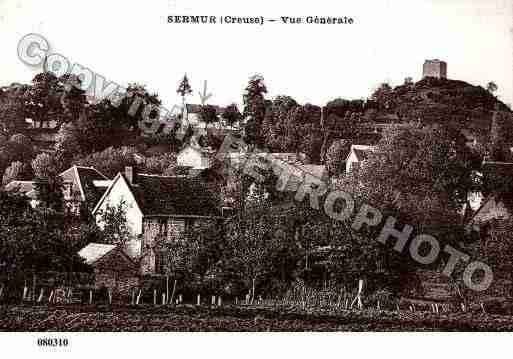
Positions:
{"x": 94, "y": 251}
{"x": 84, "y": 179}
{"x": 20, "y": 186}
{"x": 361, "y": 152}
{"x": 172, "y": 196}
{"x": 493, "y": 207}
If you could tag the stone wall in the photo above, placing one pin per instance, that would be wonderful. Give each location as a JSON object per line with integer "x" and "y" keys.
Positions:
{"x": 159, "y": 227}
{"x": 435, "y": 68}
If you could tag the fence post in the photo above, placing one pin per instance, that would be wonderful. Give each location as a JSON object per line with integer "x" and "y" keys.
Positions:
{"x": 90, "y": 296}
{"x": 180, "y": 298}
{"x": 483, "y": 308}
{"x": 138, "y": 297}
{"x": 110, "y": 296}
{"x": 219, "y": 301}
{"x": 198, "y": 300}
{"x": 163, "y": 298}
{"x": 213, "y": 300}
{"x": 40, "y": 298}
{"x": 154, "y": 297}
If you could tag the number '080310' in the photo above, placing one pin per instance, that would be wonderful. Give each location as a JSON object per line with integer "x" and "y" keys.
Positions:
{"x": 52, "y": 342}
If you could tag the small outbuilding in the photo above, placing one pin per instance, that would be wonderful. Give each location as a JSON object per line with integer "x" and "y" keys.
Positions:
{"x": 113, "y": 268}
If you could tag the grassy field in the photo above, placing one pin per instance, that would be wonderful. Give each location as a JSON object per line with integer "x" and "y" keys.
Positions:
{"x": 231, "y": 318}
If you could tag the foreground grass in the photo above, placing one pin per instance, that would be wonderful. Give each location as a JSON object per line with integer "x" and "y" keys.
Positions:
{"x": 231, "y": 318}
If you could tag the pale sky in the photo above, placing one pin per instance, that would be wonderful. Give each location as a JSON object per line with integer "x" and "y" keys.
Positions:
{"x": 130, "y": 41}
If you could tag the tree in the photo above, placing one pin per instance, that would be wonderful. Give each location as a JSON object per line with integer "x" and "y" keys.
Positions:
{"x": 254, "y": 108}
{"x": 231, "y": 115}
{"x": 208, "y": 114}
{"x": 422, "y": 175}
{"x": 110, "y": 161}
{"x": 497, "y": 148}
{"x": 16, "y": 171}
{"x": 382, "y": 95}
{"x": 136, "y": 107}
{"x": 492, "y": 87}
{"x": 336, "y": 156}
{"x": 45, "y": 166}
{"x": 13, "y": 109}
{"x": 48, "y": 184}
{"x": 252, "y": 247}
{"x": 184, "y": 88}
{"x": 115, "y": 224}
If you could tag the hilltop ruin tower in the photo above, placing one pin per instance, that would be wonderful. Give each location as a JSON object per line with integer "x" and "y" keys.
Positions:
{"x": 435, "y": 68}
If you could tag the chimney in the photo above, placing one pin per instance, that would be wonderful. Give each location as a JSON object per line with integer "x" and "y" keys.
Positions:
{"x": 130, "y": 174}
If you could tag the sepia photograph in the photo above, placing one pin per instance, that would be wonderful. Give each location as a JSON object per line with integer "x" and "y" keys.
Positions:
{"x": 308, "y": 169}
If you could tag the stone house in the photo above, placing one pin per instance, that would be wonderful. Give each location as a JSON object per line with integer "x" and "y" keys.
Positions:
{"x": 113, "y": 268}
{"x": 158, "y": 208}
{"x": 82, "y": 188}
{"x": 195, "y": 157}
{"x": 357, "y": 155}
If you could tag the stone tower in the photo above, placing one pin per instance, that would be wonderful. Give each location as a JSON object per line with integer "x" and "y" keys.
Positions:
{"x": 435, "y": 68}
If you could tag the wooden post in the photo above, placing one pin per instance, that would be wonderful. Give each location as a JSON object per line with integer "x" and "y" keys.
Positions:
{"x": 25, "y": 290}
{"x": 163, "y": 298}
{"x": 198, "y": 300}
{"x": 253, "y": 291}
{"x": 236, "y": 301}
{"x": 154, "y": 297}
{"x": 167, "y": 286}
{"x": 139, "y": 297}
{"x": 109, "y": 293}
{"x": 174, "y": 289}
{"x": 40, "y": 298}
{"x": 213, "y": 302}
{"x": 219, "y": 301}
{"x": 358, "y": 298}
{"x": 132, "y": 302}
{"x": 379, "y": 308}
{"x": 180, "y": 298}
{"x": 33, "y": 299}
{"x": 90, "y": 296}
{"x": 483, "y": 308}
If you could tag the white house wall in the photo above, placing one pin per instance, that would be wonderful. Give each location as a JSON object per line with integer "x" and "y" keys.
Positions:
{"x": 118, "y": 193}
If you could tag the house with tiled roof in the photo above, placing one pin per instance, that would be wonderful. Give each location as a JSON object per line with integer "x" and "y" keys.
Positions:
{"x": 113, "y": 268}
{"x": 158, "y": 208}
{"x": 26, "y": 188}
{"x": 357, "y": 155}
{"x": 82, "y": 188}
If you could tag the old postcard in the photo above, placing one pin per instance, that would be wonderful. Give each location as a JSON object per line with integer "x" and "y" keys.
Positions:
{"x": 234, "y": 166}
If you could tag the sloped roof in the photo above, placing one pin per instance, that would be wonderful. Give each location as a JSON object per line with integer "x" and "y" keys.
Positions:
{"x": 493, "y": 207}
{"x": 94, "y": 251}
{"x": 174, "y": 196}
{"x": 84, "y": 179}
{"x": 196, "y": 108}
{"x": 20, "y": 186}
{"x": 362, "y": 152}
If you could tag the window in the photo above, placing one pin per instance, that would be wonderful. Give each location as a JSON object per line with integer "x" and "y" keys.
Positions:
{"x": 163, "y": 227}
{"x": 160, "y": 263}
